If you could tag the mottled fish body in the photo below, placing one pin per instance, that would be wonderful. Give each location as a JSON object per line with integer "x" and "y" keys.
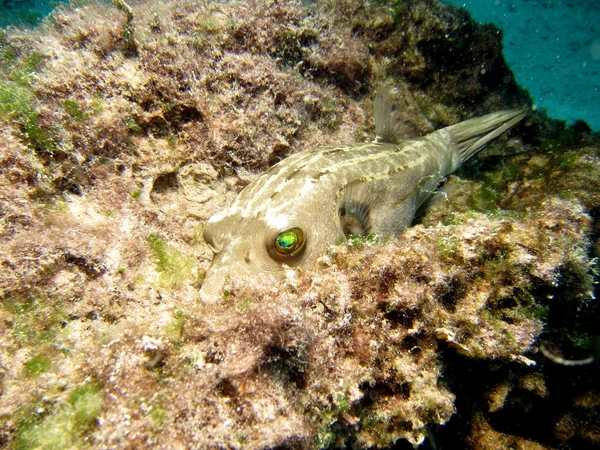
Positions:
{"x": 292, "y": 213}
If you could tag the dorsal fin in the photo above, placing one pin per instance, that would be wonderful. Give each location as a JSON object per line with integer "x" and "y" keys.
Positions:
{"x": 385, "y": 125}
{"x": 397, "y": 117}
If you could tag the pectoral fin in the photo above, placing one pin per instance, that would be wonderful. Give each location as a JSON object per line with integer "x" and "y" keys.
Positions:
{"x": 355, "y": 218}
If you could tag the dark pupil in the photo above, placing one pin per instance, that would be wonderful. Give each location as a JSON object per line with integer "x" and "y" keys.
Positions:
{"x": 287, "y": 240}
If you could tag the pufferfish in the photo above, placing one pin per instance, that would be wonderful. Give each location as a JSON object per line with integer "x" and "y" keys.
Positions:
{"x": 291, "y": 214}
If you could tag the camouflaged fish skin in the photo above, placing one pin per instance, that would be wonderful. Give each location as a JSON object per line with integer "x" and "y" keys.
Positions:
{"x": 292, "y": 213}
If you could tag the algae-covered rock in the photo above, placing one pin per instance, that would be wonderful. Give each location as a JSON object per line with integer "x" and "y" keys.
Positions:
{"x": 125, "y": 125}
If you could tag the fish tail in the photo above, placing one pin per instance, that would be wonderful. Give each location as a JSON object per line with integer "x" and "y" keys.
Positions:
{"x": 470, "y": 136}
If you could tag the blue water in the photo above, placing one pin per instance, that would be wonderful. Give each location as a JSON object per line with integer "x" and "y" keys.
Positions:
{"x": 553, "y": 47}
{"x": 25, "y": 12}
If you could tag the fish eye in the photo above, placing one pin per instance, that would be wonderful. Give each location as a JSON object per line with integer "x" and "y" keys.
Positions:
{"x": 289, "y": 242}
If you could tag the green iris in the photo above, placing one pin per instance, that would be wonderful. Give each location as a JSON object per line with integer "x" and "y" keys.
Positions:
{"x": 287, "y": 239}
{"x": 289, "y": 242}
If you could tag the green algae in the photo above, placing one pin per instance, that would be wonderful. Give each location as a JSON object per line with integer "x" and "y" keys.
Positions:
{"x": 172, "y": 140}
{"x": 36, "y": 319}
{"x": 454, "y": 219}
{"x": 174, "y": 267}
{"x": 331, "y": 431}
{"x": 357, "y": 241}
{"x": 74, "y": 110}
{"x": 175, "y": 328}
{"x": 164, "y": 261}
{"x": 45, "y": 425}
{"x": 446, "y": 246}
{"x": 87, "y": 404}
{"x": 37, "y": 365}
{"x": 97, "y": 105}
{"x": 240, "y": 437}
{"x": 159, "y": 416}
{"x": 242, "y": 305}
{"x": 133, "y": 126}
{"x": 18, "y": 100}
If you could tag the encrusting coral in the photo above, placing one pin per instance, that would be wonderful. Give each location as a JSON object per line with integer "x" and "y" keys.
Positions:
{"x": 124, "y": 126}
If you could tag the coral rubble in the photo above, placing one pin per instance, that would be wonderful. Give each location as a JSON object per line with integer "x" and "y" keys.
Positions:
{"x": 124, "y": 126}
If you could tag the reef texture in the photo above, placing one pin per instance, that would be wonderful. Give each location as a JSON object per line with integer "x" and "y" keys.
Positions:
{"x": 124, "y": 126}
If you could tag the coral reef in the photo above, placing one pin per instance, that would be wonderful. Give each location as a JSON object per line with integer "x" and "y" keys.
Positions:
{"x": 124, "y": 126}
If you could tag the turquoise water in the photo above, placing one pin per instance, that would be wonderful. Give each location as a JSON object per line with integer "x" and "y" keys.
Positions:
{"x": 25, "y": 12}
{"x": 553, "y": 47}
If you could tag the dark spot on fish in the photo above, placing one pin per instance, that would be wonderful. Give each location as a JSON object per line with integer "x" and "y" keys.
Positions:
{"x": 317, "y": 176}
{"x": 292, "y": 174}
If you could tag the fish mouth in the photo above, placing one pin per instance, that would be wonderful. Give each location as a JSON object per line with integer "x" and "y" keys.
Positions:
{"x": 209, "y": 297}
{"x": 217, "y": 277}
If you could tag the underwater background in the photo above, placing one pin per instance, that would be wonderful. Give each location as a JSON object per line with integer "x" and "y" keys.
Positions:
{"x": 552, "y": 47}
{"x": 125, "y": 125}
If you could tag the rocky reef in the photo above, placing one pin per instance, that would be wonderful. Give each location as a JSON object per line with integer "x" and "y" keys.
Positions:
{"x": 124, "y": 126}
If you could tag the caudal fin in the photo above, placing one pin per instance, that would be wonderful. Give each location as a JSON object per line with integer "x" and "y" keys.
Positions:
{"x": 472, "y": 135}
